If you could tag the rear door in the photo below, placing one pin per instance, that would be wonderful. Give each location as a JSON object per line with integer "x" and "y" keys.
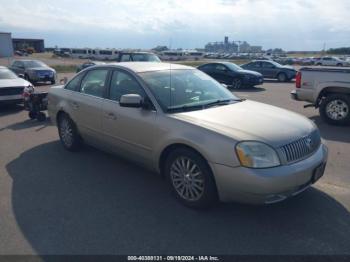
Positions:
{"x": 18, "y": 67}
{"x": 88, "y": 103}
{"x": 131, "y": 132}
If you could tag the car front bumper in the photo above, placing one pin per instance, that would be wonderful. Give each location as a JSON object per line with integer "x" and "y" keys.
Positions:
{"x": 269, "y": 185}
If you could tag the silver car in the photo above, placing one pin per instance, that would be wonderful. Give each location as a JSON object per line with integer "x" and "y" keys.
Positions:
{"x": 178, "y": 121}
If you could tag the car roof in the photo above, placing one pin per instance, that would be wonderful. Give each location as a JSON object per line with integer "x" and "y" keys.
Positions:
{"x": 140, "y": 67}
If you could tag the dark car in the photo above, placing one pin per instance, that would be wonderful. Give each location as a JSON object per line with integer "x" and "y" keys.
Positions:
{"x": 138, "y": 57}
{"x": 89, "y": 64}
{"x": 271, "y": 69}
{"x": 34, "y": 71}
{"x": 232, "y": 74}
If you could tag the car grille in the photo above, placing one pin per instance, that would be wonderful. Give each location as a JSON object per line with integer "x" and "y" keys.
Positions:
{"x": 301, "y": 148}
{"x": 8, "y": 91}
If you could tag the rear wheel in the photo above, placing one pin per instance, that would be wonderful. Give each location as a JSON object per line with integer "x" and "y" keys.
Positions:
{"x": 334, "y": 109}
{"x": 190, "y": 178}
{"x": 68, "y": 133}
{"x": 339, "y": 64}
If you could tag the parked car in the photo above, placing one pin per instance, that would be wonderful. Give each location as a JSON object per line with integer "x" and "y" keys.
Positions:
{"x": 137, "y": 57}
{"x": 183, "y": 124}
{"x": 232, "y": 75}
{"x": 327, "y": 89}
{"x": 89, "y": 64}
{"x": 271, "y": 69}
{"x": 34, "y": 71}
{"x": 11, "y": 86}
{"x": 331, "y": 61}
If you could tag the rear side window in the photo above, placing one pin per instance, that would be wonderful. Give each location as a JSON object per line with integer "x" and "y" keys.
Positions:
{"x": 94, "y": 82}
{"x": 206, "y": 67}
{"x": 125, "y": 58}
{"x": 73, "y": 85}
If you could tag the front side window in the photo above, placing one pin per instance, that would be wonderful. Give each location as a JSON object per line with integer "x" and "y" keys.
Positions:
{"x": 94, "y": 82}
{"x": 221, "y": 68}
{"x": 123, "y": 84}
{"x": 73, "y": 85}
{"x": 185, "y": 89}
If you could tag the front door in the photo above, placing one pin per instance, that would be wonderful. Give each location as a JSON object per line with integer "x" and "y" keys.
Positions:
{"x": 131, "y": 132}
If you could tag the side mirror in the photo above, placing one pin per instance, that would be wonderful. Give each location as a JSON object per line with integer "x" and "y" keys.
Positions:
{"x": 131, "y": 100}
{"x": 64, "y": 81}
{"x": 21, "y": 76}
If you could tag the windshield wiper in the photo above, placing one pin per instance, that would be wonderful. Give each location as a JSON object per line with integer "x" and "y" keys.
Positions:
{"x": 220, "y": 102}
{"x": 185, "y": 108}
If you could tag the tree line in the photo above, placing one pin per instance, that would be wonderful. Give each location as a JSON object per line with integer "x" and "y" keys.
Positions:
{"x": 339, "y": 51}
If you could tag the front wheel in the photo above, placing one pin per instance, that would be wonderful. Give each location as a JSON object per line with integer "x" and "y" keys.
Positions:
{"x": 237, "y": 83}
{"x": 68, "y": 133}
{"x": 190, "y": 178}
{"x": 334, "y": 109}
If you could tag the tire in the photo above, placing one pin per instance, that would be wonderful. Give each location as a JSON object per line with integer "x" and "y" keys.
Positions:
{"x": 334, "y": 109}
{"x": 282, "y": 77}
{"x": 237, "y": 83}
{"x": 190, "y": 178}
{"x": 339, "y": 64}
{"x": 32, "y": 115}
{"x": 68, "y": 133}
{"x": 53, "y": 82}
{"x": 41, "y": 117}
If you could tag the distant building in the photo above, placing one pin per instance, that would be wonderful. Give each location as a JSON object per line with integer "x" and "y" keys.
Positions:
{"x": 222, "y": 47}
{"x": 244, "y": 47}
{"x": 6, "y": 47}
{"x": 24, "y": 43}
{"x": 255, "y": 49}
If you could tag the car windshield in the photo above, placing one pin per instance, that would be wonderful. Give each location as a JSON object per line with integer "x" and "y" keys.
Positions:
{"x": 233, "y": 66}
{"x": 145, "y": 58}
{"x": 7, "y": 74}
{"x": 33, "y": 64}
{"x": 186, "y": 90}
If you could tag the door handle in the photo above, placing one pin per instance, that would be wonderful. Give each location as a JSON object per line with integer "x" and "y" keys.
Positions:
{"x": 111, "y": 116}
{"x": 75, "y": 105}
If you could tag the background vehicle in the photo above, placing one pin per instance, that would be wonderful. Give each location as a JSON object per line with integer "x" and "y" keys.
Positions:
{"x": 172, "y": 55}
{"x": 209, "y": 144}
{"x": 331, "y": 61}
{"x": 89, "y": 64}
{"x": 11, "y": 86}
{"x": 327, "y": 89}
{"x": 137, "y": 57}
{"x": 232, "y": 75}
{"x": 271, "y": 69}
{"x": 34, "y": 71}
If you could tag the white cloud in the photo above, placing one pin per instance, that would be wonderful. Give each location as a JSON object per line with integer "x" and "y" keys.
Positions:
{"x": 291, "y": 24}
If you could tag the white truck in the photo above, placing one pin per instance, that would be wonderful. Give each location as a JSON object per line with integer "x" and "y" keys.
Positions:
{"x": 327, "y": 89}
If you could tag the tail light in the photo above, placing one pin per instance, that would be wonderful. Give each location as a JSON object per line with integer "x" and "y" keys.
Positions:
{"x": 298, "y": 80}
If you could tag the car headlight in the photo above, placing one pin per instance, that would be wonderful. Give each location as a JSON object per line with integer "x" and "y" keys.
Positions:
{"x": 254, "y": 154}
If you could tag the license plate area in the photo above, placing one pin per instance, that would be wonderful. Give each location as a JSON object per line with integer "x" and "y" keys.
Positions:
{"x": 318, "y": 172}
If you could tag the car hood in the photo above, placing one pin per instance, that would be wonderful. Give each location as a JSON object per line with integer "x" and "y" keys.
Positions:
{"x": 13, "y": 82}
{"x": 288, "y": 67}
{"x": 249, "y": 120}
{"x": 249, "y": 72}
{"x": 41, "y": 69}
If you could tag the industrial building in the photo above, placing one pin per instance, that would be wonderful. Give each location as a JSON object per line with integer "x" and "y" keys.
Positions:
{"x": 232, "y": 47}
{"x": 6, "y": 47}
{"x": 23, "y": 43}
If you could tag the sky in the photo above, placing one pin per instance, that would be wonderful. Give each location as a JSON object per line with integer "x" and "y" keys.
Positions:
{"x": 287, "y": 24}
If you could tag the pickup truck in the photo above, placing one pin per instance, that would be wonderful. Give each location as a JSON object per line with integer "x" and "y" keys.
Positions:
{"x": 327, "y": 89}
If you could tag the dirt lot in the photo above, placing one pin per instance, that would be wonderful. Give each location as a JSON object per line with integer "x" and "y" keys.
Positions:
{"x": 55, "y": 202}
